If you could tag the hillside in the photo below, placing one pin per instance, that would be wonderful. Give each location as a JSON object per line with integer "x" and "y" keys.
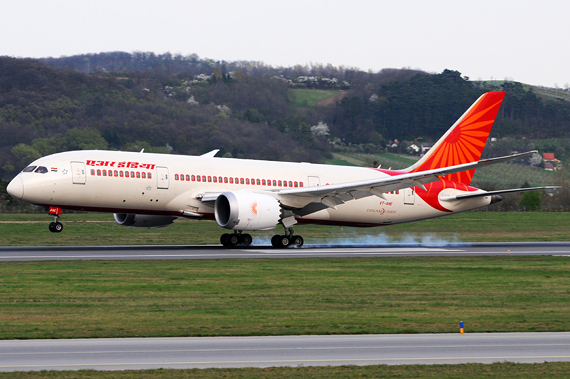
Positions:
{"x": 187, "y": 105}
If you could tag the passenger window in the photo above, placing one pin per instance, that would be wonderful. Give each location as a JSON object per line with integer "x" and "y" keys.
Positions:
{"x": 138, "y": 174}
{"x": 279, "y": 183}
{"x": 290, "y": 183}
{"x": 258, "y": 181}
{"x": 149, "y": 175}
{"x": 300, "y": 184}
{"x": 209, "y": 179}
{"x": 193, "y": 178}
{"x": 175, "y": 176}
{"x": 104, "y": 172}
{"x": 263, "y": 181}
{"x": 241, "y": 180}
{"x": 92, "y": 172}
{"x": 132, "y": 174}
{"x": 121, "y": 174}
{"x": 246, "y": 181}
{"x": 203, "y": 178}
{"x": 144, "y": 175}
{"x": 98, "y": 172}
{"x": 225, "y": 179}
{"x": 116, "y": 173}
{"x": 231, "y": 180}
{"x": 275, "y": 183}
{"x": 187, "y": 177}
{"x": 215, "y": 179}
{"x": 199, "y": 178}
{"x": 182, "y": 177}
{"x": 220, "y": 179}
{"x": 296, "y": 184}
{"x": 29, "y": 169}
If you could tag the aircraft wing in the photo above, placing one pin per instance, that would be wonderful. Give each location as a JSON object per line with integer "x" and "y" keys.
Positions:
{"x": 329, "y": 196}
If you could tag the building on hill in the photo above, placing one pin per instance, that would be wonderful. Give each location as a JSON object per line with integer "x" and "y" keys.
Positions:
{"x": 550, "y": 162}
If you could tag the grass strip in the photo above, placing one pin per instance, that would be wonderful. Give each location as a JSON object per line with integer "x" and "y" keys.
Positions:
{"x": 283, "y": 296}
{"x": 472, "y": 370}
{"x": 82, "y": 229}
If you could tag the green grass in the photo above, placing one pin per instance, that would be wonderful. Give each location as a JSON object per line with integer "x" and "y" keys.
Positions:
{"x": 94, "y": 229}
{"x": 307, "y": 97}
{"x": 91, "y": 299}
{"x": 496, "y": 370}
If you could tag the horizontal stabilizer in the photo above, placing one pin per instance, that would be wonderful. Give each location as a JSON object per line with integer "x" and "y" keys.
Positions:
{"x": 491, "y": 193}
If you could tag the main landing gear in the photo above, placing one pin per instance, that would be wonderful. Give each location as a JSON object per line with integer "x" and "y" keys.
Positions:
{"x": 231, "y": 240}
{"x": 55, "y": 226}
{"x": 289, "y": 239}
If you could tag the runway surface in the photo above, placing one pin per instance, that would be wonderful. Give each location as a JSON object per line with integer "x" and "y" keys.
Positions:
{"x": 217, "y": 252}
{"x": 204, "y": 352}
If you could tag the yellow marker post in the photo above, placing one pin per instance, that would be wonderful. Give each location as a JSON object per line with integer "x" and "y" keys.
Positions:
{"x": 461, "y": 327}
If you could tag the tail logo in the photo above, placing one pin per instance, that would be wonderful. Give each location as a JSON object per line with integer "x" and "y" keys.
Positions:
{"x": 466, "y": 140}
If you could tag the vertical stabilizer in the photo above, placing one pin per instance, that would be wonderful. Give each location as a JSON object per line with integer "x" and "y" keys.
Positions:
{"x": 465, "y": 140}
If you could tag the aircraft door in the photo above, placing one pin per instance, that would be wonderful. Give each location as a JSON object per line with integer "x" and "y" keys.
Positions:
{"x": 162, "y": 177}
{"x": 314, "y": 181}
{"x": 78, "y": 172}
{"x": 409, "y": 196}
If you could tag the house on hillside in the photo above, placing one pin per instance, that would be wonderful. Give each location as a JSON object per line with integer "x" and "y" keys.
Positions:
{"x": 550, "y": 162}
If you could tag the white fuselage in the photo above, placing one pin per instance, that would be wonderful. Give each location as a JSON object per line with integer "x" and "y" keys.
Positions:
{"x": 143, "y": 183}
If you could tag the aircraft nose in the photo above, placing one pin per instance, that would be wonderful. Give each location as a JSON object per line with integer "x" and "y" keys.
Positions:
{"x": 16, "y": 188}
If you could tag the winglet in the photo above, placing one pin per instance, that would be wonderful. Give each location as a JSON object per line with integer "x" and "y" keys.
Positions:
{"x": 465, "y": 140}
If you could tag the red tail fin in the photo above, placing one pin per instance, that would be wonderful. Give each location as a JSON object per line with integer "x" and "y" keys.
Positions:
{"x": 465, "y": 140}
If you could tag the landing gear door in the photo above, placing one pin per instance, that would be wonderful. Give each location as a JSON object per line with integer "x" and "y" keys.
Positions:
{"x": 78, "y": 172}
{"x": 162, "y": 177}
{"x": 409, "y": 196}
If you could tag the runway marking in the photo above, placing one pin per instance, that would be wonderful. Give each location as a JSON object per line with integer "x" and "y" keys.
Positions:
{"x": 295, "y": 361}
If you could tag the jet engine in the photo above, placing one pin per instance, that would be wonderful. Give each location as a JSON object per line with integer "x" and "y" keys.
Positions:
{"x": 143, "y": 221}
{"x": 246, "y": 210}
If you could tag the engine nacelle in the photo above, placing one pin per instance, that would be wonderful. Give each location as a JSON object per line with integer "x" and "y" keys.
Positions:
{"x": 143, "y": 221}
{"x": 246, "y": 210}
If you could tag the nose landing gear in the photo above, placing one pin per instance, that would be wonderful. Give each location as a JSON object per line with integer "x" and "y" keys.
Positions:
{"x": 55, "y": 226}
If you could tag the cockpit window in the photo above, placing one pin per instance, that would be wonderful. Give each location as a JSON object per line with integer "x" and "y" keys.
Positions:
{"x": 29, "y": 169}
{"x": 41, "y": 170}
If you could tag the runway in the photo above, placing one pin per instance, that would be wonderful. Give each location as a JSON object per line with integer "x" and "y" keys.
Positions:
{"x": 205, "y": 352}
{"x": 309, "y": 251}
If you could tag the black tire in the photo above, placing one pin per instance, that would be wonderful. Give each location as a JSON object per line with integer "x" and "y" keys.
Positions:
{"x": 52, "y": 227}
{"x": 233, "y": 239}
{"x": 297, "y": 241}
{"x": 58, "y": 227}
{"x": 284, "y": 242}
{"x": 275, "y": 241}
{"x": 224, "y": 239}
{"x": 246, "y": 239}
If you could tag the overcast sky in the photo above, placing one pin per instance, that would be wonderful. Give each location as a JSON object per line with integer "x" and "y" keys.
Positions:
{"x": 526, "y": 41}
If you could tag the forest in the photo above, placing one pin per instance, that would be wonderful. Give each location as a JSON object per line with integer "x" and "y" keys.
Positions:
{"x": 187, "y": 105}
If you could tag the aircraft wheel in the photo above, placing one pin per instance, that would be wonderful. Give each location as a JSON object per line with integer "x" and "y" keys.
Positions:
{"x": 246, "y": 239}
{"x": 297, "y": 241}
{"x": 225, "y": 240}
{"x": 52, "y": 227}
{"x": 275, "y": 241}
{"x": 233, "y": 239}
{"x": 280, "y": 241}
{"x": 58, "y": 227}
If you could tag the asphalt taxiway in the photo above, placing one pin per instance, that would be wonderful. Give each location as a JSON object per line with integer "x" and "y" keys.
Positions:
{"x": 206, "y": 352}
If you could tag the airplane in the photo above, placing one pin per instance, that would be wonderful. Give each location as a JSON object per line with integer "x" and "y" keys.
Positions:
{"x": 152, "y": 190}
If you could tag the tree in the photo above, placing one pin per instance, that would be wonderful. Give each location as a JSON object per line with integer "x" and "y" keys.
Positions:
{"x": 531, "y": 200}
